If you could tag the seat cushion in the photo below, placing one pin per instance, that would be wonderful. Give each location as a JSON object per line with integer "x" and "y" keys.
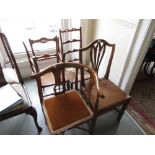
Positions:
{"x": 10, "y": 75}
{"x": 66, "y": 110}
{"x": 20, "y": 106}
{"x": 113, "y": 95}
{"x": 47, "y": 79}
{"x": 71, "y": 73}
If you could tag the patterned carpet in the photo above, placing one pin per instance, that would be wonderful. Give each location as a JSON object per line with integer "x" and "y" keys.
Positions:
{"x": 142, "y": 106}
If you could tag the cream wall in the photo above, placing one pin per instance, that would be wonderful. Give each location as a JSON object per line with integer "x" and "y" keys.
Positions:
{"x": 119, "y": 32}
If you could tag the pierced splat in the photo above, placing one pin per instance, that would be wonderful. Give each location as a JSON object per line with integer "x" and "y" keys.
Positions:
{"x": 97, "y": 51}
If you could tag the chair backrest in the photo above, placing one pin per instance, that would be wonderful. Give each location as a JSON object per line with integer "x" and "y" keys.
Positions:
{"x": 33, "y": 68}
{"x": 2, "y": 78}
{"x": 11, "y": 57}
{"x": 68, "y": 42}
{"x": 33, "y": 55}
{"x": 95, "y": 51}
{"x": 62, "y": 85}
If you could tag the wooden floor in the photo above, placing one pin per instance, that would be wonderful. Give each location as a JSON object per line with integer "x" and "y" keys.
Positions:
{"x": 106, "y": 125}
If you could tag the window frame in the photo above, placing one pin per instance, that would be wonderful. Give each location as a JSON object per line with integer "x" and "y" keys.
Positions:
{"x": 22, "y": 56}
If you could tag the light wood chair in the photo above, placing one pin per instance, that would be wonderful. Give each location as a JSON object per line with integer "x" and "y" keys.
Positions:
{"x": 34, "y": 58}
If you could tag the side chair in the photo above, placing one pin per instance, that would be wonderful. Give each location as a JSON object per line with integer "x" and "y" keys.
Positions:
{"x": 114, "y": 97}
{"x": 25, "y": 106}
{"x": 35, "y": 58}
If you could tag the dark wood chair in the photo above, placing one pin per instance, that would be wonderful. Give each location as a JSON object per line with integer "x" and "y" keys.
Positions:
{"x": 19, "y": 86}
{"x": 34, "y": 58}
{"x": 113, "y": 95}
{"x": 69, "y": 106}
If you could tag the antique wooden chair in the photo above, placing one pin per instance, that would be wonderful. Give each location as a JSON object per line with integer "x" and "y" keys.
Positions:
{"x": 69, "y": 106}
{"x": 68, "y": 48}
{"x": 34, "y": 59}
{"x": 18, "y": 85}
{"x": 68, "y": 43}
{"x": 101, "y": 53}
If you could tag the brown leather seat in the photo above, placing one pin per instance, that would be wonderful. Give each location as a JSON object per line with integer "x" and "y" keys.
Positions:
{"x": 68, "y": 107}
{"x": 65, "y": 111}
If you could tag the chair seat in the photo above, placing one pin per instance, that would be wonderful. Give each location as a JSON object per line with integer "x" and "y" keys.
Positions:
{"x": 47, "y": 79}
{"x": 71, "y": 73}
{"x": 20, "y": 106}
{"x": 10, "y": 75}
{"x": 113, "y": 95}
{"x": 64, "y": 115}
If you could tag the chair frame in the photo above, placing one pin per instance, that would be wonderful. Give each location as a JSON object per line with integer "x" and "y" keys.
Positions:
{"x": 57, "y": 69}
{"x": 29, "y": 109}
{"x": 69, "y": 42}
{"x": 34, "y": 59}
{"x": 96, "y": 59}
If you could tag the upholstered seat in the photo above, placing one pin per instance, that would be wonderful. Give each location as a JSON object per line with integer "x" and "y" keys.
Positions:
{"x": 70, "y": 74}
{"x": 68, "y": 107}
{"x": 63, "y": 113}
{"x": 47, "y": 79}
{"x": 10, "y": 75}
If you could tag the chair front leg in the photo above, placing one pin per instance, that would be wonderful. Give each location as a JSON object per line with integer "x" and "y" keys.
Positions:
{"x": 124, "y": 106}
{"x": 32, "y": 111}
{"x": 92, "y": 125}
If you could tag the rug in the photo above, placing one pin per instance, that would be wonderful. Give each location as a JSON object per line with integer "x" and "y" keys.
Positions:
{"x": 142, "y": 105}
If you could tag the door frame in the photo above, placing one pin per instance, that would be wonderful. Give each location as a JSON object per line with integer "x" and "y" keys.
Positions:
{"x": 141, "y": 41}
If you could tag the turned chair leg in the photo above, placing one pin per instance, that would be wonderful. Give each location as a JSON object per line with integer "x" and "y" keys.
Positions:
{"x": 32, "y": 111}
{"x": 122, "y": 111}
{"x": 92, "y": 125}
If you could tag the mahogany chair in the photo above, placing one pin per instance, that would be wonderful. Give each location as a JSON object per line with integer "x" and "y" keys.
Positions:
{"x": 25, "y": 106}
{"x": 113, "y": 96}
{"x": 69, "y": 106}
{"x": 34, "y": 59}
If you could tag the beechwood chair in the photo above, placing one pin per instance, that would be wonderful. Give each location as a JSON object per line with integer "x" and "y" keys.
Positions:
{"x": 69, "y": 106}
{"x": 35, "y": 59}
{"x": 11, "y": 75}
{"x": 101, "y": 55}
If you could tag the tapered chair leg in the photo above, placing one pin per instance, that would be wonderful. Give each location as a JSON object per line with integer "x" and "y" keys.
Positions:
{"x": 32, "y": 111}
{"x": 92, "y": 125}
{"x": 122, "y": 111}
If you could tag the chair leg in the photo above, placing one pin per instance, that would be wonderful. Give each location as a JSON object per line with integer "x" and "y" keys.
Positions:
{"x": 92, "y": 125}
{"x": 122, "y": 111}
{"x": 32, "y": 111}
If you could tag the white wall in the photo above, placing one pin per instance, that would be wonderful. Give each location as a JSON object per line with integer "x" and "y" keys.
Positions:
{"x": 141, "y": 42}
{"x": 119, "y": 32}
